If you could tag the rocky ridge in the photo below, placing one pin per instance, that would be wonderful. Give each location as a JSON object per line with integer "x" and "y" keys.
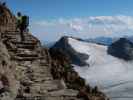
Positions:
{"x": 75, "y": 57}
{"x": 26, "y": 67}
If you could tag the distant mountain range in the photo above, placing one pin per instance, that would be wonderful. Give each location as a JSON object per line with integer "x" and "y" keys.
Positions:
{"x": 98, "y": 40}
{"x": 102, "y": 40}
{"x": 121, "y": 48}
{"x": 107, "y": 40}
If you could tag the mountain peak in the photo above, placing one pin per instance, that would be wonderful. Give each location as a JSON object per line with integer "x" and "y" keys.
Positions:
{"x": 64, "y": 38}
{"x": 75, "y": 57}
{"x": 122, "y": 48}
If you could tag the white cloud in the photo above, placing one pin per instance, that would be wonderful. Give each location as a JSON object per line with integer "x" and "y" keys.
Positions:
{"x": 85, "y": 27}
{"x": 75, "y": 27}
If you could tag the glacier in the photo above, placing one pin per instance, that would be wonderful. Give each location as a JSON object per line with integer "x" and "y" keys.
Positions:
{"x": 112, "y": 75}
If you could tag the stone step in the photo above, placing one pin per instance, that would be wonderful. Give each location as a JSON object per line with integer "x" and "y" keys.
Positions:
{"x": 20, "y": 50}
{"x": 26, "y": 46}
{"x": 56, "y": 83}
{"x": 24, "y": 58}
{"x": 9, "y": 35}
{"x": 23, "y": 43}
{"x": 27, "y": 41}
{"x": 29, "y": 38}
{"x": 12, "y": 50}
{"x": 44, "y": 64}
{"x": 51, "y": 86}
{"x": 64, "y": 92}
{"x": 12, "y": 38}
{"x": 13, "y": 32}
{"x": 45, "y": 74}
{"x": 24, "y": 50}
{"x": 40, "y": 79}
{"x": 43, "y": 79}
{"x": 43, "y": 61}
{"x": 26, "y": 55}
{"x": 40, "y": 76}
{"x": 42, "y": 73}
{"x": 17, "y": 41}
{"x": 31, "y": 97}
{"x": 18, "y": 33}
{"x": 42, "y": 69}
{"x": 36, "y": 76}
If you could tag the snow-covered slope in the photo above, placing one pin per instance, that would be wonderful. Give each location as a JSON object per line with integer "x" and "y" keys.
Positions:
{"x": 113, "y": 76}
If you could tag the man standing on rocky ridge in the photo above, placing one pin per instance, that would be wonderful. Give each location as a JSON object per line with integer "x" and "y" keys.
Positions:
{"x": 22, "y": 24}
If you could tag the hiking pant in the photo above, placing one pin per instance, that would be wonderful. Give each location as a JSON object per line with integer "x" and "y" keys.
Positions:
{"x": 22, "y": 35}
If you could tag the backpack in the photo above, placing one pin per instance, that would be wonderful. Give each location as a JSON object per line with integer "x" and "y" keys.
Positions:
{"x": 25, "y": 20}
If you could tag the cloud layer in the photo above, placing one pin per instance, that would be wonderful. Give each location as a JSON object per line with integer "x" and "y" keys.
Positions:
{"x": 92, "y": 26}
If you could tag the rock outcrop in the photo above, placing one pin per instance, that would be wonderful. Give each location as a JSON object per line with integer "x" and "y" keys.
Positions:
{"x": 26, "y": 68}
{"x": 75, "y": 57}
{"x": 8, "y": 83}
{"x": 7, "y": 19}
{"x": 122, "y": 48}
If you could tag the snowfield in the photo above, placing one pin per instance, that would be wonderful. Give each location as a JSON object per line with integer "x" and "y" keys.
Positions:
{"x": 112, "y": 75}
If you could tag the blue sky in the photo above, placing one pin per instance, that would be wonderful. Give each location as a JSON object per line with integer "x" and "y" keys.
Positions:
{"x": 51, "y": 19}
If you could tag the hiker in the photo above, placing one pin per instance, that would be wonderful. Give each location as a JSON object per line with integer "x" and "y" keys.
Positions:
{"x": 22, "y": 24}
{"x": 4, "y": 4}
{"x": 19, "y": 19}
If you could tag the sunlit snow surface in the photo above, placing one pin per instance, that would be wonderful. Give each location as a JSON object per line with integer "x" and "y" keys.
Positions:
{"x": 112, "y": 75}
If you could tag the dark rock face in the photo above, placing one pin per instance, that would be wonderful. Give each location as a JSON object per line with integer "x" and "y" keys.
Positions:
{"x": 122, "y": 48}
{"x": 62, "y": 69}
{"x": 6, "y": 19}
{"x": 75, "y": 57}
